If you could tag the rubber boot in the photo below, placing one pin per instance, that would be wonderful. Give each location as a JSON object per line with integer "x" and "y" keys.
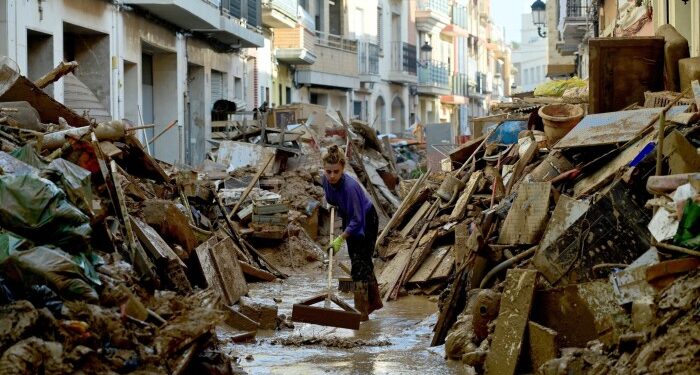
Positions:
{"x": 361, "y": 299}
{"x": 375, "y": 299}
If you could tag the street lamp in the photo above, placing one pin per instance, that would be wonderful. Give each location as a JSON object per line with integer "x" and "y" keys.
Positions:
{"x": 425, "y": 54}
{"x": 539, "y": 17}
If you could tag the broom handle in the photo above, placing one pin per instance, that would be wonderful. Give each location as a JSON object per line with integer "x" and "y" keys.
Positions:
{"x": 330, "y": 258}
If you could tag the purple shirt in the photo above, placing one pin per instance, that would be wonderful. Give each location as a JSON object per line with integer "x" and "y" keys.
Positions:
{"x": 352, "y": 202}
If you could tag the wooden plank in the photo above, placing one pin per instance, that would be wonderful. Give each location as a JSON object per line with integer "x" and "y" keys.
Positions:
{"x": 442, "y": 271}
{"x": 456, "y": 301}
{"x": 326, "y": 317}
{"x": 424, "y": 248}
{"x": 392, "y": 271}
{"x": 395, "y": 284}
{"x": 605, "y": 174}
{"x": 222, "y": 270}
{"x": 256, "y": 272}
{"x": 461, "y": 206}
{"x": 430, "y": 265}
{"x": 109, "y": 149}
{"x": 148, "y": 162}
{"x": 415, "y": 219}
{"x": 513, "y": 316}
{"x": 520, "y": 165}
{"x": 401, "y": 211}
{"x": 389, "y": 153}
{"x": 527, "y": 217}
{"x": 153, "y": 241}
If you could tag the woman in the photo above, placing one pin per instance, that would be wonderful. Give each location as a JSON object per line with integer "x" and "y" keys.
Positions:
{"x": 359, "y": 228}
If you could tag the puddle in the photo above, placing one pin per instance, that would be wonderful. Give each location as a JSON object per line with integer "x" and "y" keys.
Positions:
{"x": 406, "y": 324}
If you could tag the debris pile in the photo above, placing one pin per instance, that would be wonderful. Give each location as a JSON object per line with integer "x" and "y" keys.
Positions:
{"x": 544, "y": 248}
{"x": 113, "y": 261}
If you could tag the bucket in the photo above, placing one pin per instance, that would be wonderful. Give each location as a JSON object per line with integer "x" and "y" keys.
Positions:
{"x": 559, "y": 119}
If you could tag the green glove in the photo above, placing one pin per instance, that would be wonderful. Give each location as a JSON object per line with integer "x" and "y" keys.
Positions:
{"x": 337, "y": 244}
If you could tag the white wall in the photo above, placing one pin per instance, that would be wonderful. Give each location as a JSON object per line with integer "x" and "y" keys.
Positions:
{"x": 119, "y": 81}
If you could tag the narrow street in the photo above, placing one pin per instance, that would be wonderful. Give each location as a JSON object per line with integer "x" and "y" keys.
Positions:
{"x": 406, "y": 324}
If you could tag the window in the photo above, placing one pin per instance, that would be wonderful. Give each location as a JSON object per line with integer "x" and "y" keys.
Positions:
{"x": 288, "y": 94}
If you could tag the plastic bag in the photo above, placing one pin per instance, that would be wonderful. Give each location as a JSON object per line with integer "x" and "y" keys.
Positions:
{"x": 53, "y": 267}
{"x": 74, "y": 180}
{"x": 28, "y": 154}
{"x": 688, "y": 234}
{"x": 37, "y": 209}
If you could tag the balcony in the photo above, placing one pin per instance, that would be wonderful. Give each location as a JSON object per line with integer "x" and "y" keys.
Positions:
{"x": 403, "y": 62}
{"x": 279, "y": 13}
{"x": 459, "y": 89}
{"x": 575, "y": 26}
{"x": 433, "y": 78}
{"x": 188, "y": 14}
{"x": 432, "y": 15}
{"x": 336, "y": 63}
{"x": 294, "y": 46}
{"x": 460, "y": 18}
{"x": 368, "y": 61}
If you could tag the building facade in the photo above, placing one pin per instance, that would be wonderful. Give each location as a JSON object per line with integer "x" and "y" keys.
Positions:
{"x": 392, "y": 63}
{"x": 571, "y": 23}
{"x": 529, "y": 57}
{"x": 150, "y": 62}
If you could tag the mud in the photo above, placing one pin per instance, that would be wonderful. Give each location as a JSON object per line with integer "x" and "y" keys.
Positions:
{"x": 406, "y": 324}
{"x": 298, "y": 252}
{"x": 330, "y": 342}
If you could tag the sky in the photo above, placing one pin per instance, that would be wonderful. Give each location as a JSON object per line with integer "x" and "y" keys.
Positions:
{"x": 505, "y": 13}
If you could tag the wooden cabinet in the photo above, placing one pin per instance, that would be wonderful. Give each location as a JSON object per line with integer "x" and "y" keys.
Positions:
{"x": 622, "y": 69}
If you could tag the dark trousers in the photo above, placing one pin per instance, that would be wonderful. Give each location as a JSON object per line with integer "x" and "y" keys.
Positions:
{"x": 361, "y": 249}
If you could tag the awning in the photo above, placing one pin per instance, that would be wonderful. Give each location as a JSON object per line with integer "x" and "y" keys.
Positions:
{"x": 560, "y": 70}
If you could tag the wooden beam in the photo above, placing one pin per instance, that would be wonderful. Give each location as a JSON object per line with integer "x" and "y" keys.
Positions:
{"x": 250, "y": 186}
{"x": 56, "y": 73}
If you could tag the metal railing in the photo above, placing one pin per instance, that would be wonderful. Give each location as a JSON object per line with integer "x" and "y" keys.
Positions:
{"x": 433, "y": 73}
{"x": 336, "y": 41}
{"x": 286, "y": 6}
{"x": 367, "y": 57}
{"x": 403, "y": 57}
{"x": 460, "y": 84}
{"x": 577, "y": 8}
{"x": 460, "y": 16}
{"x": 441, "y": 6}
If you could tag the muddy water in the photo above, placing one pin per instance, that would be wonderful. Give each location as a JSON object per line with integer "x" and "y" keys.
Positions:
{"x": 406, "y": 323}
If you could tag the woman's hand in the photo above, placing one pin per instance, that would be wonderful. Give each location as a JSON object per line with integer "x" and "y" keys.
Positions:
{"x": 338, "y": 243}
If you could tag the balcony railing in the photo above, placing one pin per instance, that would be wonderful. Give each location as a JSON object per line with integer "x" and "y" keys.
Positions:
{"x": 460, "y": 16}
{"x": 403, "y": 57}
{"x": 336, "y": 41}
{"x": 433, "y": 73}
{"x": 460, "y": 84}
{"x": 441, "y": 6}
{"x": 577, "y": 8}
{"x": 286, "y": 6}
{"x": 368, "y": 57}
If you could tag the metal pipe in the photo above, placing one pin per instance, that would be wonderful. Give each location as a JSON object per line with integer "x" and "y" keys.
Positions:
{"x": 506, "y": 264}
